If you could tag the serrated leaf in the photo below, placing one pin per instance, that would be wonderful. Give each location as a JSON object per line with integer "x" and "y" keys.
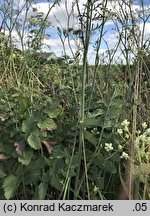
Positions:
{"x": 24, "y": 127}
{"x": 56, "y": 182}
{"x": 109, "y": 167}
{"x": 38, "y": 164}
{"x": 117, "y": 102}
{"x": 90, "y": 137}
{"x": 29, "y": 125}
{"x": 108, "y": 123}
{"x": 47, "y": 124}
{"x": 10, "y": 185}
{"x": 34, "y": 141}
{"x": 100, "y": 182}
{"x": 54, "y": 113}
{"x": 25, "y": 158}
{"x": 32, "y": 176}
{"x": 95, "y": 113}
{"x": 42, "y": 189}
{"x": 91, "y": 122}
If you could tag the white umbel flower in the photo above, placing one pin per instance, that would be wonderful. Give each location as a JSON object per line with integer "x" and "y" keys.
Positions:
{"x": 108, "y": 147}
{"x": 144, "y": 125}
{"x": 125, "y": 123}
{"x": 124, "y": 156}
{"x": 120, "y": 131}
{"x": 120, "y": 147}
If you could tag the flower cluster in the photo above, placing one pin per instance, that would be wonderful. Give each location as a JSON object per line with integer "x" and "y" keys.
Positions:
{"x": 125, "y": 125}
{"x": 108, "y": 147}
{"x": 142, "y": 143}
{"x": 124, "y": 131}
{"x": 95, "y": 131}
{"x": 120, "y": 131}
{"x": 96, "y": 189}
{"x": 143, "y": 137}
{"x": 124, "y": 156}
{"x": 120, "y": 147}
{"x": 144, "y": 125}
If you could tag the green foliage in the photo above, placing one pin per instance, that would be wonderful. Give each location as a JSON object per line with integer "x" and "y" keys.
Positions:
{"x": 42, "y": 190}
{"x": 47, "y": 124}
{"x": 26, "y": 157}
{"x": 90, "y": 137}
{"x": 10, "y": 185}
{"x": 34, "y": 140}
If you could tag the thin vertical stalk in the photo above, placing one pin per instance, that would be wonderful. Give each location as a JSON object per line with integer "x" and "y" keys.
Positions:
{"x": 133, "y": 138}
{"x": 97, "y": 54}
{"x": 82, "y": 110}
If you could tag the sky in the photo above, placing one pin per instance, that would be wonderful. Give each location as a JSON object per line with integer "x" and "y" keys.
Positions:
{"x": 58, "y": 17}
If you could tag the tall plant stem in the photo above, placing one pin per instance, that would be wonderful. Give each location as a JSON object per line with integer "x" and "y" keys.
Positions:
{"x": 82, "y": 110}
{"x": 97, "y": 53}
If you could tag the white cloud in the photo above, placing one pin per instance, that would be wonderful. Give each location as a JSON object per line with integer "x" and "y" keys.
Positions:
{"x": 111, "y": 39}
{"x": 56, "y": 46}
{"x": 58, "y": 15}
{"x": 145, "y": 30}
{"x": 16, "y": 39}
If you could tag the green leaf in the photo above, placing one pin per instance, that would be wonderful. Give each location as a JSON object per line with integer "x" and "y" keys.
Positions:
{"x": 10, "y": 185}
{"x": 34, "y": 141}
{"x": 56, "y": 182}
{"x": 108, "y": 123}
{"x": 47, "y": 124}
{"x": 58, "y": 164}
{"x": 115, "y": 111}
{"x": 91, "y": 122}
{"x": 90, "y": 137}
{"x": 100, "y": 182}
{"x": 25, "y": 158}
{"x": 99, "y": 161}
{"x": 109, "y": 167}
{"x": 96, "y": 113}
{"x": 32, "y": 176}
{"x": 54, "y": 113}
{"x": 2, "y": 173}
{"x": 23, "y": 103}
{"x": 117, "y": 102}
{"x": 42, "y": 189}
{"x": 38, "y": 164}
{"x": 29, "y": 125}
